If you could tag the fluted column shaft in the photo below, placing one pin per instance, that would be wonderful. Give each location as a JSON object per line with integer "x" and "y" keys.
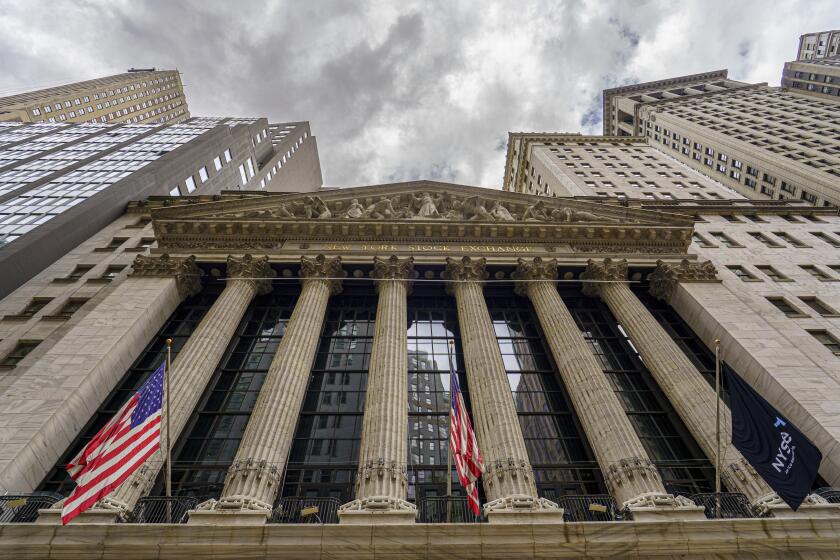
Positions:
{"x": 508, "y": 469}
{"x": 690, "y": 394}
{"x": 196, "y": 362}
{"x": 254, "y": 477}
{"x": 381, "y": 480}
{"x": 624, "y": 462}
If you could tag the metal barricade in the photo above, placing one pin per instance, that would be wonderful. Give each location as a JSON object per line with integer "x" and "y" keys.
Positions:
{"x": 23, "y": 508}
{"x": 294, "y": 509}
{"x": 160, "y": 509}
{"x": 733, "y": 505}
{"x": 590, "y": 507}
{"x": 832, "y": 495}
{"x": 453, "y": 509}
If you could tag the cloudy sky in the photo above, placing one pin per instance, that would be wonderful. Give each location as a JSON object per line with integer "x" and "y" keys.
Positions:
{"x": 411, "y": 89}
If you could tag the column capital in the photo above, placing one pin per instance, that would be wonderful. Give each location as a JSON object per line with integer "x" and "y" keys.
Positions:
{"x": 393, "y": 268}
{"x": 664, "y": 278}
{"x": 254, "y": 269}
{"x": 465, "y": 269}
{"x": 528, "y": 271}
{"x": 606, "y": 270}
{"x": 326, "y": 269}
{"x": 186, "y": 273}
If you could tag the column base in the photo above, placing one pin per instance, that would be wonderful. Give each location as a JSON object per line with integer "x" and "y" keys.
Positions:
{"x": 522, "y": 509}
{"x": 93, "y": 516}
{"x": 653, "y": 506}
{"x": 229, "y": 517}
{"x": 814, "y": 506}
{"x": 377, "y": 510}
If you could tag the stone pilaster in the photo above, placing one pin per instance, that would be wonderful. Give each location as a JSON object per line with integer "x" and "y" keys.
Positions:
{"x": 381, "y": 480}
{"x": 686, "y": 389}
{"x": 509, "y": 479}
{"x": 195, "y": 364}
{"x": 253, "y": 479}
{"x": 624, "y": 462}
{"x": 50, "y": 402}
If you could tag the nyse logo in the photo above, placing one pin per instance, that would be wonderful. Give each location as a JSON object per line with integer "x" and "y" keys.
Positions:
{"x": 786, "y": 453}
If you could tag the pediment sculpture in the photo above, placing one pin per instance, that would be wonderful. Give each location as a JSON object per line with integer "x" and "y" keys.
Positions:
{"x": 426, "y": 206}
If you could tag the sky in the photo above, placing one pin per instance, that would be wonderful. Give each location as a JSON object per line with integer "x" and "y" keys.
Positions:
{"x": 405, "y": 90}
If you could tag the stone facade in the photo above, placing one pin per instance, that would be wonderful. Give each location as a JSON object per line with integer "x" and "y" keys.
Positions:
{"x": 466, "y": 239}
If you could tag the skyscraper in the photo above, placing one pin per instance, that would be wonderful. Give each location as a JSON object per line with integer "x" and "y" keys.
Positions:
{"x": 136, "y": 96}
{"x": 820, "y": 78}
{"x": 763, "y": 142}
{"x": 61, "y": 183}
{"x": 819, "y": 44}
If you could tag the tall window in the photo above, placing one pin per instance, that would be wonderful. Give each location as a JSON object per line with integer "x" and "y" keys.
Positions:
{"x": 208, "y": 444}
{"x": 178, "y": 327}
{"x": 432, "y": 323}
{"x": 682, "y": 464}
{"x": 559, "y": 453}
{"x": 325, "y": 453}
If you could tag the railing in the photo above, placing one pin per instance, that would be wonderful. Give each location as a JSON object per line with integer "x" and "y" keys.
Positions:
{"x": 829, "y": 493}
{"x": 305, "y": 510}
{"x": 447, "y": 510}
{"x": 160, "y": 509}
{"x": 733, "y": 505}
{"x": 23, "y": 508}
{"x": 590, "y": 507}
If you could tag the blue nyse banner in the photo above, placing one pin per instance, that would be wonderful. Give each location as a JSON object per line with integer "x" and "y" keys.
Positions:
{"x": 779, "y": 452}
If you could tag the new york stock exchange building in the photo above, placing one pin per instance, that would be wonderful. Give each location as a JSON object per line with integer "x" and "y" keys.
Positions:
{"x": 310, "y": 382}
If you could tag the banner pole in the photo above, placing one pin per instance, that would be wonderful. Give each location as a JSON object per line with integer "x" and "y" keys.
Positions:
{"x": 717, "y": 427}
{"x": 167, "y": 373}
{"x": 449, "y": 431}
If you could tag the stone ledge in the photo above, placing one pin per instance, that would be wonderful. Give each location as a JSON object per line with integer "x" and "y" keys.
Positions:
{"x": 726, "y": 539}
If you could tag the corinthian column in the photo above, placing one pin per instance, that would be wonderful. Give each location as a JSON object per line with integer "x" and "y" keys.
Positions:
{"x": 381, "y": 480}
{"x": 630, "y": 476}
{"x": 253, "y": 479}
{"x": 509, "y": 480}
{"x": 195, "y": 364}
{"x": 686, "y": 389}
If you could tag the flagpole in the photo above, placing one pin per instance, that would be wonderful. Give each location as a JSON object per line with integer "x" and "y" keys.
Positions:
{"x": 166, "y": 376}
{"x": 717, "y": 427}
{"x": 449, "y": 431}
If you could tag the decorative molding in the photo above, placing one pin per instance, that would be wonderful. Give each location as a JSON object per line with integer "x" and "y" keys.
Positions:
{"x": 536, "y": 269}
{"x": 393, "y": 268}
{"x": 623, "y": 472}
{"x": 465, "y": 269}
{"x": 325, "y": 269}
{"x": 253, "y": 269}
{"x": 606, "y": 270}
{"x": 665, "y": 277}
{"x": 186, "y": 273}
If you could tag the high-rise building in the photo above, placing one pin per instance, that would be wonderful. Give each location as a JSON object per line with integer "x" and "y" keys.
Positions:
{"x": 62, "y": 183}
{"x": 621, "y": 104}
{"x": 820, "y": 77}
{"x": 564, "y": 165}
{"x": 137, "y": 96}
{"x": 820, "y": 44}
{"x": 763, "y": 142}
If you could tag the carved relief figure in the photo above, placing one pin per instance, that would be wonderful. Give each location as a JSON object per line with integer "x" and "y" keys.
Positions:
{"x": 355, "y": 210}
{"x": 474, "y": 210}
{"x": 535, "y": 213}
{"x": 500, "y": 213}
{"x": 383, "y": 209}
{"x": 427, "y": 206}
{"x": 314, "y": 207}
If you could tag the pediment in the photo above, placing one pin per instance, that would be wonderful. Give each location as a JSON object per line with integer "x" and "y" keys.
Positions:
{"x": 420, "y": 211}
{"x": 420, "y": 201}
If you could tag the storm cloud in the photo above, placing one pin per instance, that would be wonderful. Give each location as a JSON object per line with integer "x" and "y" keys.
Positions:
{"x": 397, "y": 91}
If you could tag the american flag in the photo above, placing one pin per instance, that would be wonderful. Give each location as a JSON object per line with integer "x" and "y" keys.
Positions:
{"x": 462, "y": 441}
{"x": 119, "y": 448}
